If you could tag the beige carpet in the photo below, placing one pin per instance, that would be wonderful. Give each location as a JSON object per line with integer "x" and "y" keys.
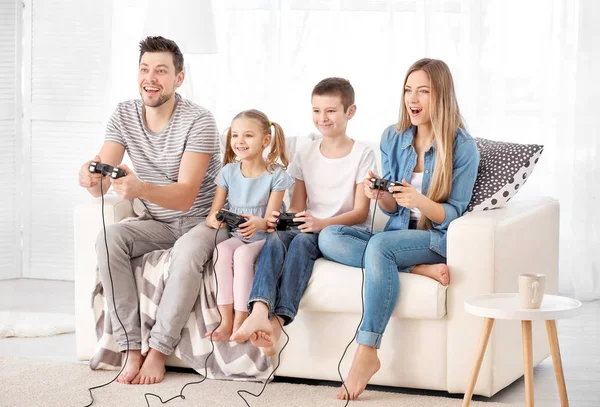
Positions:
{"x": 34, "y": 382}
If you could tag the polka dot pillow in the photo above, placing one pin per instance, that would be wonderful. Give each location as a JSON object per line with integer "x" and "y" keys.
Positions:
{"x": 503, "y": 169}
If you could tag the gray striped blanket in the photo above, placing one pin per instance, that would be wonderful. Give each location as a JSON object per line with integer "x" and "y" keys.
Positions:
{"x": 230, "y": 361}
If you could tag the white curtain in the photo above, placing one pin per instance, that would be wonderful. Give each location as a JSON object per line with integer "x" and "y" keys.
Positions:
{"x": 524, "y": 71}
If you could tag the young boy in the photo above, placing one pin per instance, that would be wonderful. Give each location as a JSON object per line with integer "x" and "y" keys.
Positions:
{"x": 328, "y": 190}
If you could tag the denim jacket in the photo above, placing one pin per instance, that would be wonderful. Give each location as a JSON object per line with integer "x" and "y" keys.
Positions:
{"x": 398, "y": 160}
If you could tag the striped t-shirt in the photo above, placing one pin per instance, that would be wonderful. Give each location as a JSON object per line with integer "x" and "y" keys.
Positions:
{"x": 156, "y": 156}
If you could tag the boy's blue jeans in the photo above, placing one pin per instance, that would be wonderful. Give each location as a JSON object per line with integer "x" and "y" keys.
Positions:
{"x": 387, "y": 253}
{"x": 280, "y": 279}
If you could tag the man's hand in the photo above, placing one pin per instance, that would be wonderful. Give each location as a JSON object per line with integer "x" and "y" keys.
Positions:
{"x": 213, "y": 223}
{"x": 249, "y": 228}
{"x": 129, "y": 186}
{"x": 406, "y": 195}
{"x": 86, "y": 178}
{"x": 372, "y": 193}
{"x": 310, "y": 224}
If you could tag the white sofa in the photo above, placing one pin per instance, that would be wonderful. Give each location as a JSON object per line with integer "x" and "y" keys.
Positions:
{"x": 430, "y": 341}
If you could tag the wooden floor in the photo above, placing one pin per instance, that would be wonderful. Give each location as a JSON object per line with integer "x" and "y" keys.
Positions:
{"x": 579, "y": 344}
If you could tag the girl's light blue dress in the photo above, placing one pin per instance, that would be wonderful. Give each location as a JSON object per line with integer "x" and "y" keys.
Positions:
{"x": 251, "y": 195}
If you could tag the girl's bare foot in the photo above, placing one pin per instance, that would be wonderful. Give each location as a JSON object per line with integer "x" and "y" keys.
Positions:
{"x": 239, "y": 318}
{"x": 153, "y": 369}
{"x": 132, "y": 367}
{"x": 257, "y": 321}
{"x": 364, "y": 366}
{"x": 439, "y": 272}
{"x": 223, "y": 332}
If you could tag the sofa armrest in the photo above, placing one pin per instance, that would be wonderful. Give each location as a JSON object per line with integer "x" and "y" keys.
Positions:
{"x": 486, "y": 253}
{"x": 87, "y": 225}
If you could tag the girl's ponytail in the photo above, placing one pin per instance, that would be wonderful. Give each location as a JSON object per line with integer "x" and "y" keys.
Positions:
{"x": 278, "y": 148}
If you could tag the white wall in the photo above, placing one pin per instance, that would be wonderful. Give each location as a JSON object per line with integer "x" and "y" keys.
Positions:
{"x": 9, "y": 152}
{"x": 66, "y": 67}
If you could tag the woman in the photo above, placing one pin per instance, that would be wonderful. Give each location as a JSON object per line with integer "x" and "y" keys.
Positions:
{"x": 436, "y": 161}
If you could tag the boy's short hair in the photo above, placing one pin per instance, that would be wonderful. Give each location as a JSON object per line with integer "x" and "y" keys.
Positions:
{"x": 161, "y": 44}
{"x": 336, "y": 87}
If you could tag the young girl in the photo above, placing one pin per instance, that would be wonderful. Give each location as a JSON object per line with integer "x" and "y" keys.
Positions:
{"x": 436, "y": 161}
{"x": 253, "y": 187}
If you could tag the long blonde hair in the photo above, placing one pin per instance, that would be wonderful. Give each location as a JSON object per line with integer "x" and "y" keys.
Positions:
{"x": 445, "y": 120}
{"x": 278, "y": 149}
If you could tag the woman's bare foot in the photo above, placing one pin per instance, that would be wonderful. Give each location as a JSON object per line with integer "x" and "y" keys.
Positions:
{"x": 223, "y": 332}
{"x": 238, "y": 320}
{"x": 268, "y": 343}
{"x": 364, "y": 366}
{"x": 439, "y": 272}
{"x": 132, "y": 367}
{"x": 257, "y": 321}
{"x": 153, "y": 369}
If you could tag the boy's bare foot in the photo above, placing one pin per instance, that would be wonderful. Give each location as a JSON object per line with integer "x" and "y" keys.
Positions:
{"x": 153, "y": 369}
{"x": 257, "y": 321}
{"x": 239, "y": 318}
{"x": 132, "y": 367}
{"x": 439, "y": 272}
{"x": 268, "y": 343}
{"x": 364, "y": 366}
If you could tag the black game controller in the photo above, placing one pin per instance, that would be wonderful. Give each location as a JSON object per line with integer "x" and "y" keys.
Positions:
{"x": 285, "y": 221}
{"x": 383, "y": 184}
{"x": 232, "y": 219}
{"x": 105, "y": 169}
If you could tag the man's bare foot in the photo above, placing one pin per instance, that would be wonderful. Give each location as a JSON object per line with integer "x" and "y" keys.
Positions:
{"x": 439, "y": 272}
{"x": 268, "y": 343}
{"x": 364, "y": 366}
{"x": 257, "y": 321}
{"x": 239, "y": 318}
{"x": 153, "y": 369}
{"x": 132, "y": 367}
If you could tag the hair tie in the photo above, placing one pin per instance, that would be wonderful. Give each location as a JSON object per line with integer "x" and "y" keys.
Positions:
{"x": 270, "y": 123}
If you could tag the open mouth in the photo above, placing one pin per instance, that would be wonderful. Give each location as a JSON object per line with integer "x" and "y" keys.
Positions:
{"x": 241, "y": 148}
{"x": 151, "y": 90}
{"x": 414, "y": 111}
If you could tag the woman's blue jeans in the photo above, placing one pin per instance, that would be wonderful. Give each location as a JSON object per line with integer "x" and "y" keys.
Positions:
{"x": 386, "y": 254}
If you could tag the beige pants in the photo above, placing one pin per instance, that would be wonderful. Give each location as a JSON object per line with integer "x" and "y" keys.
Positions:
{"x": 192, "y": 242}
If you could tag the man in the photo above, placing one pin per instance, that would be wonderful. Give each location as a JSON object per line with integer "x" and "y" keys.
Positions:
{"x": 173, "y": 145}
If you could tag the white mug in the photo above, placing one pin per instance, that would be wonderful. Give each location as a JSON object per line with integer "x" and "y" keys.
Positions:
{"x": 531, "y": 288}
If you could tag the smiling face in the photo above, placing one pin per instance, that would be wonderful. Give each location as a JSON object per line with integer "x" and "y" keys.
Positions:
{"x": 417, "y": 93}
{"x": 247, "y": 138}
{"x": 329, "y": 116}
{"x": 157, "y": 79}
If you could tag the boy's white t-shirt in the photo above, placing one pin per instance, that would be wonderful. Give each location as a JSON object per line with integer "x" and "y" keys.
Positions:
{"x": 330, "y": 182}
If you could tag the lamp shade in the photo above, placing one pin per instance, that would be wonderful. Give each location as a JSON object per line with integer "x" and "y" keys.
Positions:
{"x": 190, "y": 23}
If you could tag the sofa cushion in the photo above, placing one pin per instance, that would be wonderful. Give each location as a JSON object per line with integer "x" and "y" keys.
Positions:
{"x": 334, "y": 287}
{"x": 503, "y": 169}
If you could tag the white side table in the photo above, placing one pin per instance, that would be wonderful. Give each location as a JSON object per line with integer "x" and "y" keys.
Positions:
{"x": 508, "y": 306}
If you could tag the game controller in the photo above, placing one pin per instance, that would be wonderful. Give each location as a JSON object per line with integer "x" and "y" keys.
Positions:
{"x": 285, "y": 221}
{"x": 105, "y": 169}
{"x": 383, "y": 184}
{"x": 232, "y": 219}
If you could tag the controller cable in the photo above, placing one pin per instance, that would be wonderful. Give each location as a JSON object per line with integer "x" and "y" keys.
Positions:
{"x": 362, "y": 291}
{"x": 114, "y": 303}
{"x": 180, "y": 395}
{"x": 212, "y": 344}
{"x": 287, "y": 339}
